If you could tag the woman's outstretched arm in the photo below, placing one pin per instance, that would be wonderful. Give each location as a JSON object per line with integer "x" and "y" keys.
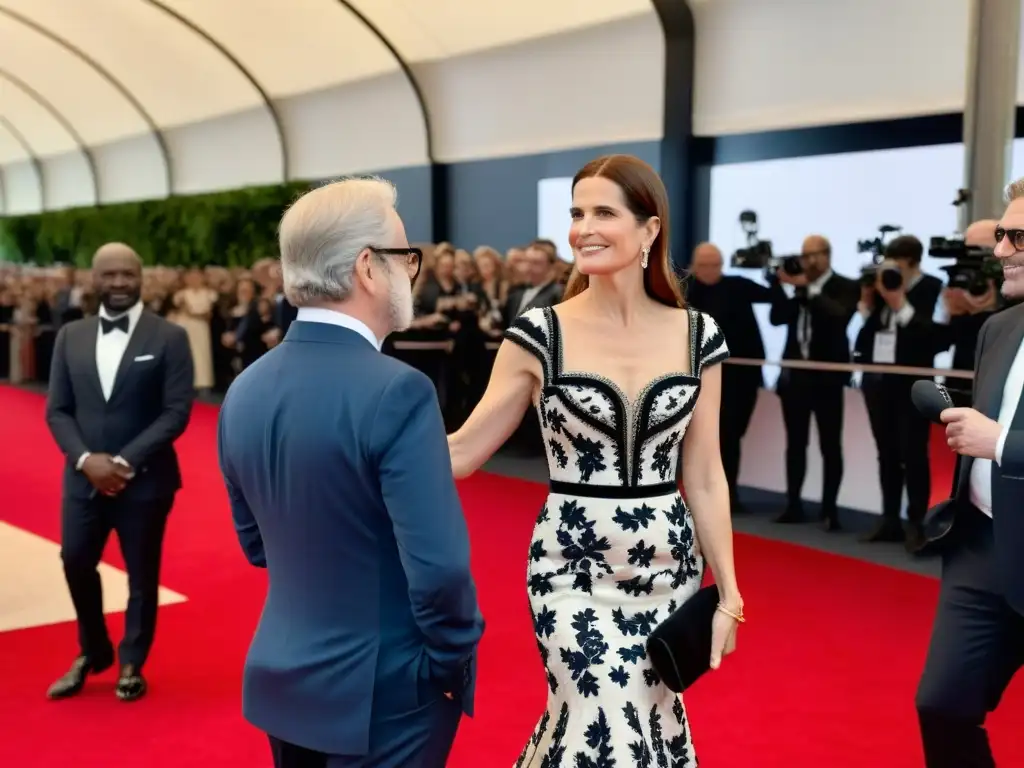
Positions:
{"x": 514, "y": 378}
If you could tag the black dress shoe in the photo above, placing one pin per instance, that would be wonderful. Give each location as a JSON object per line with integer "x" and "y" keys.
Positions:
{"x": 131, "y": 685}
{"x": 831, "y": 524}
{"x": 791, "y": 515}
{"x": 915, "y": 538}
{"x": 886, "y": 530}
{"x": 74, "y": 679}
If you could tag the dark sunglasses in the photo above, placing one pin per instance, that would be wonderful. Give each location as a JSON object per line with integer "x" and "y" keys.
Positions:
{"x": 1016, "y": 237}
{"x": 411, "y": 257}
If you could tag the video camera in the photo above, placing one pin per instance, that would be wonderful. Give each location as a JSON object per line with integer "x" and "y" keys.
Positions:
{"x": 973, "y": 266}
{"x": 892, "y": 278}
{"x": 758, "y": 253}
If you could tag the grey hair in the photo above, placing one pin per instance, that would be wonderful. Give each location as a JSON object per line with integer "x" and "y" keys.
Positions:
{"x": 322, "y": 234}
{"x": 1014, "y": 191}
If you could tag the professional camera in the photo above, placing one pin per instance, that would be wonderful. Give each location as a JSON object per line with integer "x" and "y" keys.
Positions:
{"x": 973, "y": 266}
{"x": 892, "y": 278}
{"x": 758, "y": 253}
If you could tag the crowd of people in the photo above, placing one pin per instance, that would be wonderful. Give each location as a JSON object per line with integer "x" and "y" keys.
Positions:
{"x": 234, "y": 315}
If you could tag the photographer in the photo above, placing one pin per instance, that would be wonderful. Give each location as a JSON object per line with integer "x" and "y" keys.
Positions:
{"x": 967, "y": 312}
{"x": 729, "y": 300}
{"x": 897, "y": 309}
{"x": 817, "y": 316}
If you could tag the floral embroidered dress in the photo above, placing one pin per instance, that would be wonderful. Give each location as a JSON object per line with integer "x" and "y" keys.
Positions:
{"x": 612, "y": 555}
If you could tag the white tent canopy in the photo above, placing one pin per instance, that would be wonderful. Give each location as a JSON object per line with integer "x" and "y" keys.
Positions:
{"x": 213, "y": 85}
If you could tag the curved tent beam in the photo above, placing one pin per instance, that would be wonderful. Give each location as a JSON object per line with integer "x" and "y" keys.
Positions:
{"x": 104, "y": 73}
{"x": 33, "y": 158}
{"x": 406, "y": 70}
{"x": 65, "y": 123}
{"x": 244, "y": 71}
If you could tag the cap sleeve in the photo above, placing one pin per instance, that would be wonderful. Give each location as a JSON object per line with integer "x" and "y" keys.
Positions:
{"x": 532, "y": 331}
{"x": 713, "y": 349}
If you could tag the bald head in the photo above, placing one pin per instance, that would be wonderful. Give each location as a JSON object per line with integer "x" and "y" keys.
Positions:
{"x": 115, "y": 252}
{"x": 706, "y": 264}
{"x": 816, "y": 256}
{"x": 117, "y": 275}
{"x": 981, "y": 234}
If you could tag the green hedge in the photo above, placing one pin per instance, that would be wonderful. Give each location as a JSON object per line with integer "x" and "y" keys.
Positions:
{"x": 230, "y": 228}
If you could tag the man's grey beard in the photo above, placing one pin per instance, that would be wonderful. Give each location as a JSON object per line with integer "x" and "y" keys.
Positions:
{"x": 400, "y": 305}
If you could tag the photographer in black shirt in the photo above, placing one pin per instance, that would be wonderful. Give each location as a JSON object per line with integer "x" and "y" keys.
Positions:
{"x": 729, "y": 300}
{"x": 897, "y": 307}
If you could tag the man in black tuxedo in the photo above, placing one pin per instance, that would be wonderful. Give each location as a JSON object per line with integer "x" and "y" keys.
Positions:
{"x": 730, "y": 300}
{"x": 120, "y": 395}
{"x": 817, "y": 316}
{"x": 897, "y": 309}
{"x": 977, "y": 642}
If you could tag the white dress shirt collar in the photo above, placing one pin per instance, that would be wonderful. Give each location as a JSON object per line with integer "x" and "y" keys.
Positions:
{"x": 333, "y": 317}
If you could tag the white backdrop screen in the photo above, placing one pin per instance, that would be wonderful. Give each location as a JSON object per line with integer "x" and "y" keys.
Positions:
{"x": 554, "y": 199}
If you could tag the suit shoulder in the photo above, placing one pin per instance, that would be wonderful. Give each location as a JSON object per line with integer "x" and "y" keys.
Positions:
{"x": 402, "y": 376}
{"x": 1005, "y": 318}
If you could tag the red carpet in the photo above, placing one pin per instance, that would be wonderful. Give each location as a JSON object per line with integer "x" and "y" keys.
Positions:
{"x": 824, "y": 676}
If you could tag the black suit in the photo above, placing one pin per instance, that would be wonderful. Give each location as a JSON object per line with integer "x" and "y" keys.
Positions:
{"x": 978, "y": 637}
{"x": 817, "y": 331}
{"x": 731, "y": 303}
{"x": 548, "y": 296}
{"x": 147, "y": 410}
{"x": 902, "y": 435}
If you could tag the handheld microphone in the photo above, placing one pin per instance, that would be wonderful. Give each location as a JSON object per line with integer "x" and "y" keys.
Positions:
{"x": 930, "y": 399}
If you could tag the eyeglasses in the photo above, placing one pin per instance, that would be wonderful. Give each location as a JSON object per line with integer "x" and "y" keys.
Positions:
{"x": 412, "y": 258}
{"x": 1016, "y": 237}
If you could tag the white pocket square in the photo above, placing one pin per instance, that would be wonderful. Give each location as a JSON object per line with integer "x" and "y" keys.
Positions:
{"x": 143, "y": 358}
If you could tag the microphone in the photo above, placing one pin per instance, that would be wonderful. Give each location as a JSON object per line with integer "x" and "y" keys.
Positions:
{"x": 930, "y": 399}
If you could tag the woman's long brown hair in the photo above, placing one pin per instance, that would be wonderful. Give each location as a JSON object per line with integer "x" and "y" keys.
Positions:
{"x": 645, "y": 197}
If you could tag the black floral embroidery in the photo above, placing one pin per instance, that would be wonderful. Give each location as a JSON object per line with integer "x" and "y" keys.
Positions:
{"x": 662, "y": 462}
{"x": 589, "y": 455}
{"x": 592, "y": 649}
{"x": 558, "y": 453}
{"x": 599, "y": 738}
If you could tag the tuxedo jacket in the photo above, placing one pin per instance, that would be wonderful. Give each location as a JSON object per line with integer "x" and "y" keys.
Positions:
{"x": 998, "y": 344}
{"x": 148, "y": 409}
{"x": 829, "y": 315}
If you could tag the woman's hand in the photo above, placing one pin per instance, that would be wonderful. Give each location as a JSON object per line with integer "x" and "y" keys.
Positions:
{"x": 723, "y": 635}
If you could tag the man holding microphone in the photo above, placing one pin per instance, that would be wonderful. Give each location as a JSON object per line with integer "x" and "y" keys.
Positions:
{"x": 977, "y": 641}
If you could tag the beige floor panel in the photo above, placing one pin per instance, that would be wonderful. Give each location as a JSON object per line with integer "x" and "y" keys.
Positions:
{"x": 32, "y": 588}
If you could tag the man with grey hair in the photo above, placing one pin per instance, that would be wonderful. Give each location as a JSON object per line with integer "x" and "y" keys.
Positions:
{"x": 977, "y": 642}
{"x": 337, "y": 467}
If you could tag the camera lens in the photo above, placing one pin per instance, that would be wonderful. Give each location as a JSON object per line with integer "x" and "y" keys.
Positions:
{"x": 891, "y": 279}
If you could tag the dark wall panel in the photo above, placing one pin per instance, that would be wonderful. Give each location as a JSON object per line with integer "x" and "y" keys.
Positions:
{"x": 494, "y": 202}
{"x": 415, "y": 198}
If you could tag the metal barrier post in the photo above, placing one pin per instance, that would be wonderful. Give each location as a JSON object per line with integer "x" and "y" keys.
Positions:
{"x": 990, "y": 107}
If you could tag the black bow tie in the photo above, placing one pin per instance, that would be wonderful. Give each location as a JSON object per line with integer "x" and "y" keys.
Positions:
{"x": 109, "y": 325}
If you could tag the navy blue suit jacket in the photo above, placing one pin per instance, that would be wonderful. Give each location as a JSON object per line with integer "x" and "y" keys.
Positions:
{"x": 337, "y": 467}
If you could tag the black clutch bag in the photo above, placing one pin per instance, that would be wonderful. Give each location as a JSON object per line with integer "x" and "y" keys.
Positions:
{"x": 680, "y": 647}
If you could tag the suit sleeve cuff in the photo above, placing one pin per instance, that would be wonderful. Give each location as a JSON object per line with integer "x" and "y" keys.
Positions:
{"x": 1000, "y": 444}
{"x": 905, "y": 314}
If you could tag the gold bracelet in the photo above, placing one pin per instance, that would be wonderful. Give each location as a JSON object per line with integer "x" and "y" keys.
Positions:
{"x": 737, "y": 616}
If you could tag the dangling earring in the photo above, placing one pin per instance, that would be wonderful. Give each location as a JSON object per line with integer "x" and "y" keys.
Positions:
{"x": 643, "y": 258}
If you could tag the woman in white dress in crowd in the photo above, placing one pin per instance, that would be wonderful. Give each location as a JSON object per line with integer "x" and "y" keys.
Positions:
{"x": 627, "y": 385}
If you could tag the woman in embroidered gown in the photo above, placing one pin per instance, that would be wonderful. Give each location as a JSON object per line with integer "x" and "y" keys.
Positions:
{"x": 627, "y": 386}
